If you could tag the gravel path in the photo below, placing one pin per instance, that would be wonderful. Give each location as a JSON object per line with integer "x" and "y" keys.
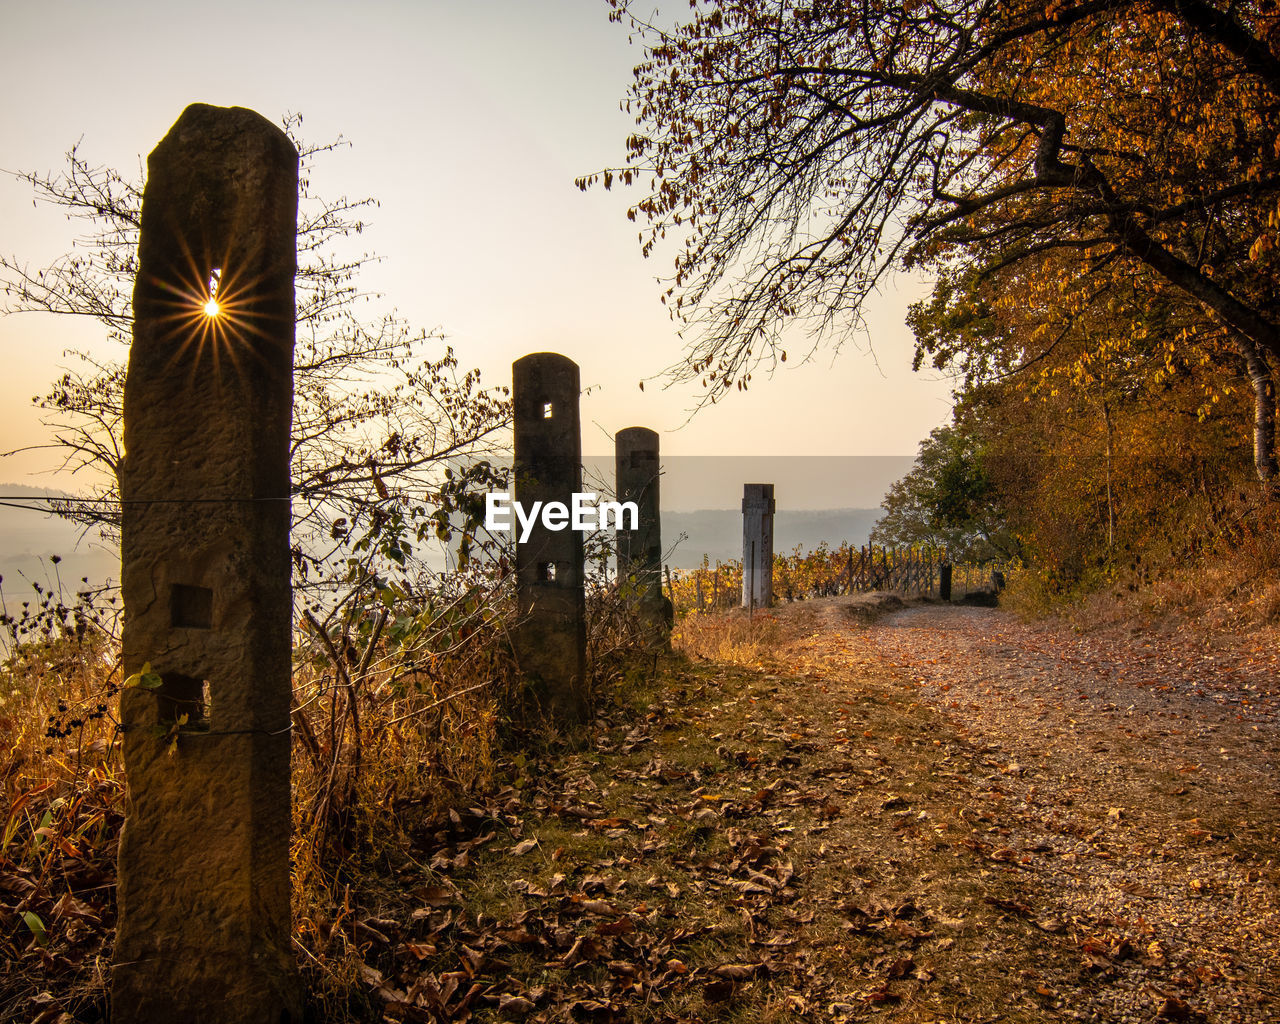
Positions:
{"x": 1137, "y": 779}
{"x": 1208, "y": 712}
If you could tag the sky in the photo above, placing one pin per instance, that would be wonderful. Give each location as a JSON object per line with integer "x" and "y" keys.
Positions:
{"x": 468, "y": 121}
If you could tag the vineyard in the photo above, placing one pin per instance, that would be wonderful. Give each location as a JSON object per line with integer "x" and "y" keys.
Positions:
{"x": 826, "y": 572}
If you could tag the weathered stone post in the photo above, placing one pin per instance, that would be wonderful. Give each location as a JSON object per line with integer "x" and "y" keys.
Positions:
{"x": 551, "y": 636}
{"x": 637, "y": 472}
{"x": 204, "y": 930}
{"x": 757, "y": 545}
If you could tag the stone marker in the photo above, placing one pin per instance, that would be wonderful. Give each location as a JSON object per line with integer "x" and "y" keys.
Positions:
{"x": 204, "y": 927}
{"x": 757, "y": 545}
{"x": 637, "y": 473}
{"x": 551, "y": 635}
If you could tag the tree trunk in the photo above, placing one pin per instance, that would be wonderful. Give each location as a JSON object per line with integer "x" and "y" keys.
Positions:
{"x": 1264, "y": 408}
{"x": 1111, "y": 507}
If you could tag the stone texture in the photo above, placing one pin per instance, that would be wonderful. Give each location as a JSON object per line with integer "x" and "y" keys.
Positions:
{"x": 637, "y": 477}
{"x": 757, "y": 545}
{"x": 551, "y": 635}
{"x": 204, "y": 925}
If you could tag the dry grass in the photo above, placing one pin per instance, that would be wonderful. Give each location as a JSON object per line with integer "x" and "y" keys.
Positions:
{"x": 388, "y": 732}
{"x": 736, "y": 637}
{"x": 1239, "y": 595}
{"x": 63, "y": 797}
{"x": 1224, "y": 578}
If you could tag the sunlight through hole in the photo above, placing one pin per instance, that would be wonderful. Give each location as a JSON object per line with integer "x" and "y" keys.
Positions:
{"x": 211, "y": 307}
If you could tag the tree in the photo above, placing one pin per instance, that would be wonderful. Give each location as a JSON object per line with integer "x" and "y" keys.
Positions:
{"x": 947, "y": 500}
{"x": 376, "y": 421}
{"x": 803, "y": 151}
{"x": 1115, "y": 341}
{"x": 1108, "y": 412}
{"x": 1105, "y": 447}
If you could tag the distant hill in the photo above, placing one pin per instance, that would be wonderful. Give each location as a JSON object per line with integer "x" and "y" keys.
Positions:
{"x": 28, "y": 536}
{"x": 718, "y": 532}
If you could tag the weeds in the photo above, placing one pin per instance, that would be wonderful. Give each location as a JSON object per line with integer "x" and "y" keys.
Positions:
{"x": 1222, "y": 572}
{"x": 407, "y": 702}
{"x": 400, "y": 694}
{"x": 734, "y": 638}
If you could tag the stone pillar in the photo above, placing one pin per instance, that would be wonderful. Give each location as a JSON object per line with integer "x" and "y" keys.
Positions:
{"x": 204, "y": 925}
{"x": 551, "y": 635}
{"x": 944, "y": 581}
{"x": 637, "y": 473}
{"x": 757, "y": 545}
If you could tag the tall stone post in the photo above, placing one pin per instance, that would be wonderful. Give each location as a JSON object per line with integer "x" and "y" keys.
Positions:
{"x": 637, "y": 472}
{"x": 551, "y": 636}
{"x": 204, "y": 930}
{"x": 757, "y": 545}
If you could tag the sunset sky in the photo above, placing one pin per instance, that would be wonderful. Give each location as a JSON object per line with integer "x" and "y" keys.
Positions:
{"x": 468, "y": 122}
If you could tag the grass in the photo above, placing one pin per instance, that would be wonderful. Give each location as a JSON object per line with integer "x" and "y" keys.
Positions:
{"x": 735, "y": 637}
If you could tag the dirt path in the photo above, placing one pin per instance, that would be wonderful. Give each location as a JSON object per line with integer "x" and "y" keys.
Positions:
{"x": 1137, "y": 783}
{"x": 943, "y": 816}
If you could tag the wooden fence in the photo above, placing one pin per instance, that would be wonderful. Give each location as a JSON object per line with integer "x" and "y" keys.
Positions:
{"x": 828, "y": 572}
{"x": 912, "y": 570}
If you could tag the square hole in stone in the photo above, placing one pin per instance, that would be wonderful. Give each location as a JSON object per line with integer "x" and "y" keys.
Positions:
{"x": 185, "y": 695}
{"x": 546, "y": 572}
{"x": 546, "y": 410}
{"x": 191, "y": 607}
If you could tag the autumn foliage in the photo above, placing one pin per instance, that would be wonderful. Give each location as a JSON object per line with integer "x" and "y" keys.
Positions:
{"x": 1092, "y": 184}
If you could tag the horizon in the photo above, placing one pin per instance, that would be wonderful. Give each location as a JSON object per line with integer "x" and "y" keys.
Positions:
{"x": 468, "y": 126}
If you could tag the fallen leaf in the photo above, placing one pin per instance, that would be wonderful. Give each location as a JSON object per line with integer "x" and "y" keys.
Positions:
{"x": 735, "y": 972}
{"x": 1174, "y": 1008}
